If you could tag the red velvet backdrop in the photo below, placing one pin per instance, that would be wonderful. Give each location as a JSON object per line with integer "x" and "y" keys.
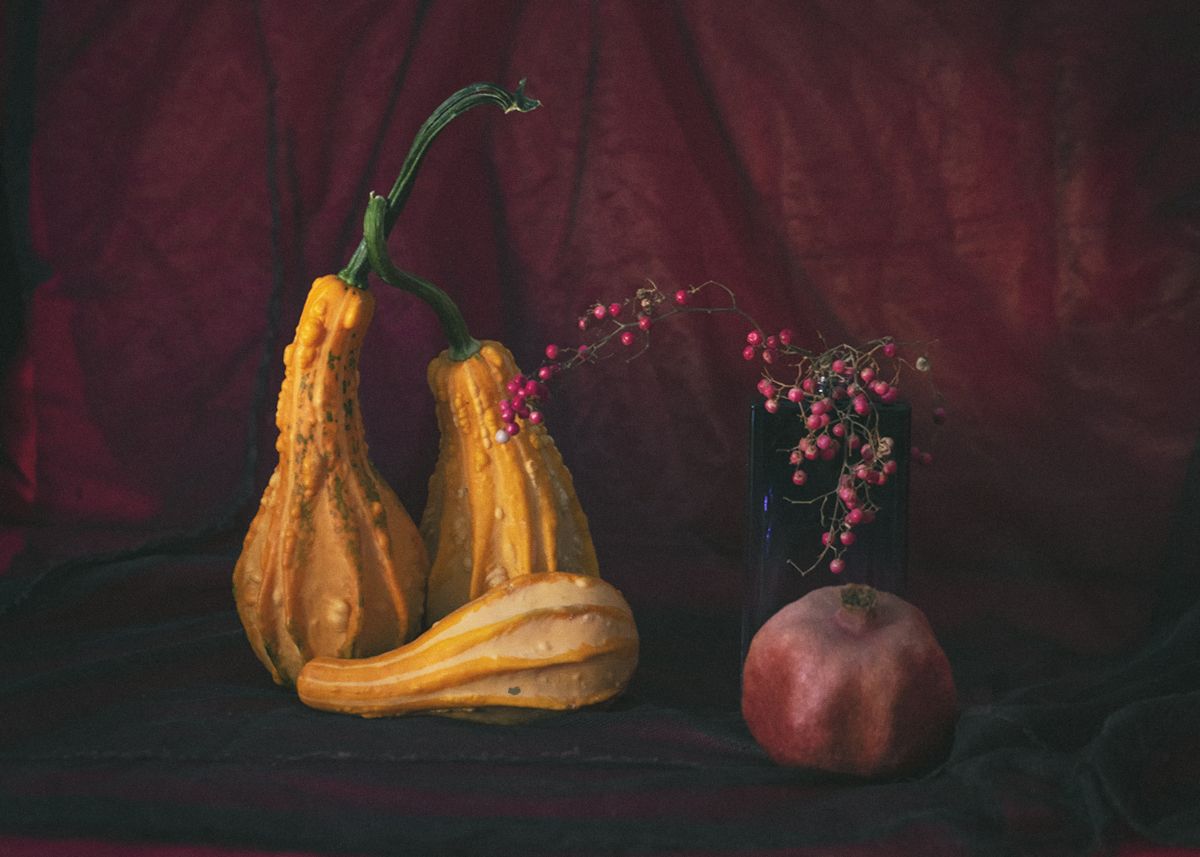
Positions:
{"x": 1012, "y": 182}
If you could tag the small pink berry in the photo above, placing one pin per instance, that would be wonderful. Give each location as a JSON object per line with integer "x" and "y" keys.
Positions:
{"x": 854, "y": 516}
{"x": 614, "y": 309}
{"x": 581, "y": 350}
{"x": 824, "y": 441}
{"x": 768, "y": 355}
{"x": 890, "y": 349}
{"x": 881, "y": 387}
{"x": 644, "y": 322}
{"x": 847, "y": 538}
{"x": 748, "y": 353}
{"x": 599, "y": 311}
{"x": 766, "y": 387}
{"x": 794, "y": 457}
{"x": 939, "y": 415}
{"x": 551, "y": 352}
{"x": 890, "y": 396}
{"x": 808, "y": 385}
{"x": 794, "y": 394}
{"x": 890, "y": 467}
{"x": 861, "y": 405}
{"x": 627, "y": 337}
{"x": 772, "y": 405}
{"x": 867, "y": 453}
{"x": 837, "y": 566}
{"x": 839, "y": 430}
{"x": 813, "y": 423}
{"x": 535, "y": 417}
{"x": 819, "y": 407}
{"x": 799, "y": 477}
{"x": 868, "y": 375}
{"x": 772, "y": 342}
{"x": 512, "y": 386}
{"x": 531, "y": 388}
{"x": 826, "y": 539}
{"x": 682, "y": 297}
{"x": 785, "y": 336}
{"x": 838, "y": 366}
{"x": 754, "y": 337}
{"x": 828, "y": 453}
{"x": 546, "y": 373}
{"x": 583, "y": 323}
{"x": 512, "y": 429}
{"x": 926, "y": 458}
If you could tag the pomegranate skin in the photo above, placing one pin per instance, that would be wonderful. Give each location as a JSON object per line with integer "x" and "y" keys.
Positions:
{"x": 847, "y": 690}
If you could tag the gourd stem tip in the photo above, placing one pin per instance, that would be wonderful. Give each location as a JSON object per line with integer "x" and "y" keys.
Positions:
{"x": 355, "y": 272}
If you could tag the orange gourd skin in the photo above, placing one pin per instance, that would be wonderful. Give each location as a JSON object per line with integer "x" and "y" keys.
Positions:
{"x": 543, "y": 642}
{"x": 332, "y": 564}
{"x": 495, "y": 511}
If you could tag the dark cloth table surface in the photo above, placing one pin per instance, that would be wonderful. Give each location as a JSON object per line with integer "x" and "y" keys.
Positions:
{"x": 132, "y": 709}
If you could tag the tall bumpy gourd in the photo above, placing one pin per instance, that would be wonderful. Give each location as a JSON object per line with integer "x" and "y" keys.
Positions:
{"x": 332, "y": 564}
{"x": 496, "y": 511}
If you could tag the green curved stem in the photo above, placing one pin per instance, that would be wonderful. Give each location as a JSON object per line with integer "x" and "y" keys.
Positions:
{"x": 460, "y": 102}
{"x": 462, "y": 344}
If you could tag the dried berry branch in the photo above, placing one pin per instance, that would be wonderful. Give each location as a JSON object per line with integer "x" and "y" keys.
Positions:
{"x": 836, "y": 390}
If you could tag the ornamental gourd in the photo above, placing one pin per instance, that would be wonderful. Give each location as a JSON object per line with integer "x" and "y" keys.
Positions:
{"x": 496, "y": 510}
{"x": 541, "y": 642}
{"x": 332, "y": 563}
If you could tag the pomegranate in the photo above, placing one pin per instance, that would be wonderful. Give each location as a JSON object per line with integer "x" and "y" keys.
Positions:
{"x": 849, "y": 680}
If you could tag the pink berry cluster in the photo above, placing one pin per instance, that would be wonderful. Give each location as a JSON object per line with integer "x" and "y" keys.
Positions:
{"x": 835, "y": 391}
{"x": 524, "y": 395}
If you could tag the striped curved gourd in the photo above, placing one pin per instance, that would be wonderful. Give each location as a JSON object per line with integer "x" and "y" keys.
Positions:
{"x": 545, "y": 642}
{"x": 332, "y": 564}
{"x": 495, "y": 511}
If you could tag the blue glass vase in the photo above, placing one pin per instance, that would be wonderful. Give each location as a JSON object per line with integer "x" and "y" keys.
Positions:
{"x": 784, "y": 536}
